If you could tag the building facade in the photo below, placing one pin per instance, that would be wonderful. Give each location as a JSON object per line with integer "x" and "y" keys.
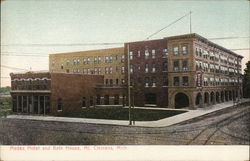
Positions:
{"x": 186, "y": 71}
{"x": 48, "y": 93}
{"x": 148, "y": 72}
{"x": 107, "y": 62}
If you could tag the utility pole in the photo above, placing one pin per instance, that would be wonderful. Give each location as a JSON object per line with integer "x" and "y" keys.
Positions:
{"x": 190, "y": 16}
{"x": 129, "y": 98}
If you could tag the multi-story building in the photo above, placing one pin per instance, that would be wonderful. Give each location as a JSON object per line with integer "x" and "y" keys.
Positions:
{"x": 183, "y": 71}
{"x": 107, "y": 62}
{"x": 149, "y": 72}
{"x": 186, "y": 71}
{"x": 55, "y": 93}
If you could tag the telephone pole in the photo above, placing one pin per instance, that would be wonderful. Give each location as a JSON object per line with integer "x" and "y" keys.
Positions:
{"x": 190, "y": 21}
{"x": 129, "y": 92}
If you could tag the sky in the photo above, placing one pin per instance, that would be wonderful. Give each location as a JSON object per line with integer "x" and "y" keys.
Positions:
{"x": 32, "y": 29}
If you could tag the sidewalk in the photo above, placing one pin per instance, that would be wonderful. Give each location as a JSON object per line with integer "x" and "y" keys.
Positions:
{"x": 159, "y": 123}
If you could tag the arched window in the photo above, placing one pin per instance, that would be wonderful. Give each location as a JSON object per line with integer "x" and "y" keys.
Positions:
{"x": 30, "y": 84}
{"x": 45, "y": 84}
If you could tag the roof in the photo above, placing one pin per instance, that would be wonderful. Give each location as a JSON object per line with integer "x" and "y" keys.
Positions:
{"x": 204, "y": 40}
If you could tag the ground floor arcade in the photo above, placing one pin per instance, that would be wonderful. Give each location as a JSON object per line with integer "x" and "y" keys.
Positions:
{"x": 192, "y": 99}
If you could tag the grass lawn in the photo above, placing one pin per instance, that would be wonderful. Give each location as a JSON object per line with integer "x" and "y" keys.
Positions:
{"x": 122, "y": 114}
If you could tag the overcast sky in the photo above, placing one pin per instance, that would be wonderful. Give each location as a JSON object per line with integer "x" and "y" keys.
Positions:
{"x": 26, "y": 22}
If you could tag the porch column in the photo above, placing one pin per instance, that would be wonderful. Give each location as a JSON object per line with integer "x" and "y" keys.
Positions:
{"x": 27, "y": 104}
{"x": 22, "y": 103}
{"x": 17, "y": 101}
{"x": 44, "y": 103}
{"x": 32, "y": 104}
{"x": 38, "y": 105}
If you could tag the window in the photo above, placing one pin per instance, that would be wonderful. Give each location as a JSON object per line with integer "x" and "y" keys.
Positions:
{"x": 200, "y": 52}
{"x": 88, "y": 71}
{"x": 184, "y": 50}
{"x": 146, "y": 54}
{"x": 106, "y": 81}
{"x": 84, "y": 61}
{"x": 139, "y": 53}
{"x": 30, "y": 84}
{"x": 37, "y": 84}
{"x": 164, "y": 81}
{"x": 111, "y": 81}
{"x": 123, "y": 81}
{"x": 146, "y": 81}
{"x": 131, "y": 68}
{"x": 185, "y": 81}
{"x": 164, "y": 66}
{"x": 106, "y": 99}
{"x": 153, "y": 82}
{"x": 123, "y": 70}
{"x": 117, "y": 81}
{"x": 197, "y": 51}
{"x": 78, "y": 61}
{"x": 98, "y": 99}
{"x": 106, "y": 70}
{"x": 106, "y": 59}
{"x": 110, "y": 70}
{"x": 153, "y": 68}
{"x": 99, "y": 59}
{"x": 59, "y": 104}
{"x": 88, "y": 60}
{"x": 67, "y": 63}
{"x": 165, "y": 52}
{"x": 74, "y": 61}
{"x": 176, "y": 66}
{"x": 46, "y": 86}
{"x": 16, "y": 84}
{"x": 85, "y": 71}
{"x": 153, "y": 53}
{"x": 95, "y": 69}
{"x": 95, "y": 60}
{"x": 138, "y": 67}
{"x": 176, "y": 50}
{"x": 130, "y": 55}
{"x": 110, "y": 59}
{"x": 67, "y": 70}
{"x": 91, "y": 101}
{"x": 116, "y": 57}
{"x": 62, "y": 66}
{"x": 146, "y": 68}
{"x": 99, "y": 70}
{"x": 185, "y": 65}
{"x": 176, "y": 81}
{"x": 83, "y": 101}
{"x": 122, "y": 59}
{"x": 116, "y": 100}
{"x": 23, "y": 84}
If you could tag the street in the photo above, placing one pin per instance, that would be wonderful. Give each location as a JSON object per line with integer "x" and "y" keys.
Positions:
{"x": 229, "y": 126}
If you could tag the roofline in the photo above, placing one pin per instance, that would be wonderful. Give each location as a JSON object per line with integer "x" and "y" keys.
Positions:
{"x": 85, "y": 51}
{"x": 203, "y": 39}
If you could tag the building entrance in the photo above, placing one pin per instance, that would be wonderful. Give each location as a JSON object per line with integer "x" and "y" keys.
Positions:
{"x": 181, "y": 100}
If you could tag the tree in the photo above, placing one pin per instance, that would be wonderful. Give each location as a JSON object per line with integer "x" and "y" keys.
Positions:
{"x": 246, "y": 81}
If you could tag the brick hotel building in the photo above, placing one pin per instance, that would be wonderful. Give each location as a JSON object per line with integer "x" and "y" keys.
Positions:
{"x": 186, "y": 71}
